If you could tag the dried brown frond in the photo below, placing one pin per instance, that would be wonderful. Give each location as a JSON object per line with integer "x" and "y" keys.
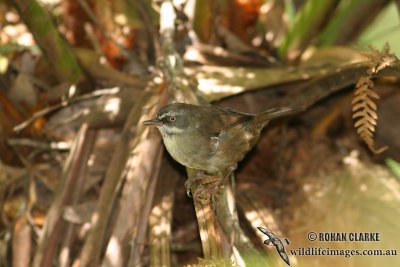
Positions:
{"x": 364, "y": 107}
{"x": 382, "y": 59}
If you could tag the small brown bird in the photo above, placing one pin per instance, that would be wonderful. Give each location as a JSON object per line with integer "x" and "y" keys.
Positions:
{"x": 277, "y": 242}
{"x": 211, "y": 139}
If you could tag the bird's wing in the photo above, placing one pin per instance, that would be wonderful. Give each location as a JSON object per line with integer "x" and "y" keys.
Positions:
{"x": 263, "y": 230}
{"x": 222, "y": 141}
{"x": 280, "y": 248}
{"x": 278, "y": 244}
{"x": 284, "y": 257}
{"x": 216, "y": 123}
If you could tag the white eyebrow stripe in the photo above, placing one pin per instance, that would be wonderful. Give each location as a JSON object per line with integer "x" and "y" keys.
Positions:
{"x": 169, "y": 113}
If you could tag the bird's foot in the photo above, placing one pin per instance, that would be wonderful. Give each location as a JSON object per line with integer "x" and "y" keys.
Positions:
{"x": 188, "y": 185}
{"x": 207, "y": 190}
{"x": 200, "y": 176}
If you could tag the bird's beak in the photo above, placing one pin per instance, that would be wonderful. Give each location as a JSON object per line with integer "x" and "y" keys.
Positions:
{"x": 154, "y": 121}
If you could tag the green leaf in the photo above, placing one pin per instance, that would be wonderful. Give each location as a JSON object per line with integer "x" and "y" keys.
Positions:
{"x": 394, "y": 166}
{"x": 306, "y": 23}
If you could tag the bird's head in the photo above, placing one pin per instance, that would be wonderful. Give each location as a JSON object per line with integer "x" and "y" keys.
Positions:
{"x": 174, "y": 119}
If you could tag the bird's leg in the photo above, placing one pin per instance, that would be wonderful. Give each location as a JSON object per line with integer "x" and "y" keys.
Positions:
{"x": 210, "y": 186}
{"x": 197, "y": 177}
{"x": 207, "y": 189}
{"x": 215, "y": 182}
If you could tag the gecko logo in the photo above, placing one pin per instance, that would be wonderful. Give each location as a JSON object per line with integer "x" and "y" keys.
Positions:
{"x": 277, "y": 242}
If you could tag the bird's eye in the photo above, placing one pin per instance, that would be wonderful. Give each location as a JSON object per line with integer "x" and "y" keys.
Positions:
{"x": 172, "y": 119}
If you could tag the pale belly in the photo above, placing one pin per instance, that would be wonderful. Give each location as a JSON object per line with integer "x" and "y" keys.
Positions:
{"x": 190, "y": 153}
{"x": 199, "y": 153}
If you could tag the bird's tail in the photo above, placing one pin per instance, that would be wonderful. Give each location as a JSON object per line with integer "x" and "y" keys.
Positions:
{"x": 270, "y": 114}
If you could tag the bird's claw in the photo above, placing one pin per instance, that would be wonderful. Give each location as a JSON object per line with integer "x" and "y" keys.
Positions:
{"x": 188, "y": 185}
{"x": 206, "y": 190}
{"x": 206, "y": 193}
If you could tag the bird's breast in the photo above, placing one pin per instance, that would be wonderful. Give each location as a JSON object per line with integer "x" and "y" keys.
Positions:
{"x": 211, "y": 154}
{"x": 189, "y": 150}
